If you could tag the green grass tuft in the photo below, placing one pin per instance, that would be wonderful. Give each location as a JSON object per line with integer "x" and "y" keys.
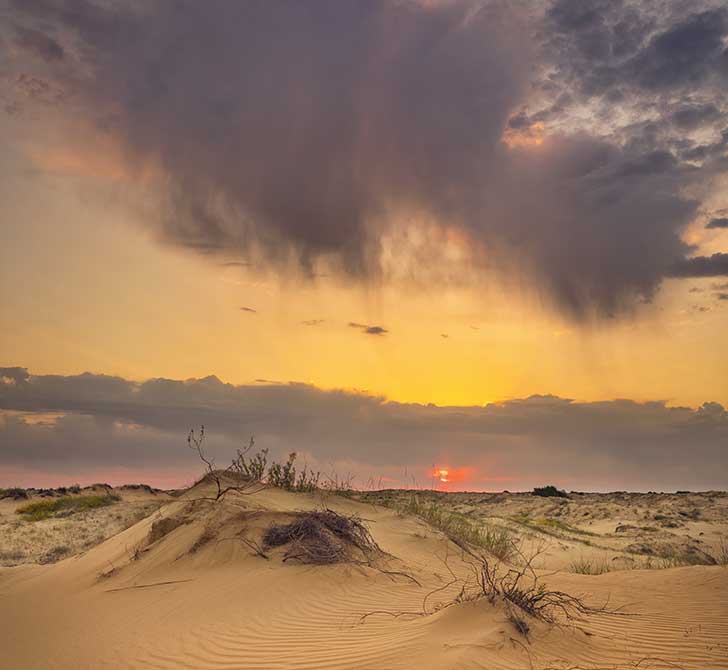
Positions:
{"x": 584, "y": 566}
{"x": 44, "y": 509}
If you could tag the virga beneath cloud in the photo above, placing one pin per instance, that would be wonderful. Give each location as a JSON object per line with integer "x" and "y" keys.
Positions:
{"x": 568, "y": 143}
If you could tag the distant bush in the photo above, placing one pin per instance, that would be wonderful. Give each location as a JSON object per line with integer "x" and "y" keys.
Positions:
{"x": 44, "y": 509}
{"x": 549, "y": 491}
{"x": 15, "y": 493}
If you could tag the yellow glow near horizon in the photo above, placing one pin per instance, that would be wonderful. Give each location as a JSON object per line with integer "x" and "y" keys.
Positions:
{"x": 105, "y": 297}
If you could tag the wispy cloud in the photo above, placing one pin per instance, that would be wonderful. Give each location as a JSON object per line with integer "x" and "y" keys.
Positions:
{"x": 701, "y": 266}
{"x": 369, "y": 330}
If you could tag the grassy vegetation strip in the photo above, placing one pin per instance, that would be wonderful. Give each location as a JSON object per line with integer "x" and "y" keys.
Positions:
{"x": 44, "y": 509}
{"x": 551, "y": 526}
{"x": 494, "y": 539}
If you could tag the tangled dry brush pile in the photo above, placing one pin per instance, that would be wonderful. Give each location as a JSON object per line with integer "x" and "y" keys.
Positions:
{"x": 322, "y": 537}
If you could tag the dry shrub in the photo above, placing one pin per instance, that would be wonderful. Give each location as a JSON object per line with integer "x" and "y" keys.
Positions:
{"x": 520, "y": 587}
{"x": 322, "y": 538}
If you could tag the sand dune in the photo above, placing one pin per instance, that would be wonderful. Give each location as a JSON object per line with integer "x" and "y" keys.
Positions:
{"x": 180, "y": 589}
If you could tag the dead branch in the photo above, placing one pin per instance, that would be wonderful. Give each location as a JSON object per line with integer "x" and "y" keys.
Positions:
{"x": 243, "y": 482}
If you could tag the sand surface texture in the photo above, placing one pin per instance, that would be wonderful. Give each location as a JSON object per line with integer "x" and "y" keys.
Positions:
{"x": 186, "y": 588}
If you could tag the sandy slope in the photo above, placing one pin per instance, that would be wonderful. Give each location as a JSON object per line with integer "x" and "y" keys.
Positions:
{"x": 227, "y": 608}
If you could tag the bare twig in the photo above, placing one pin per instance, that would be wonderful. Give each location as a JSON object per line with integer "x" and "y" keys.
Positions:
{"x": 146, "y": 586}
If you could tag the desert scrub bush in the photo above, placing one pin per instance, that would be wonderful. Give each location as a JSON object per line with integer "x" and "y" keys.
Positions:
{"x": 283, "y": 476}
{"x": 44, "y": 509}
{"x": 254, "y": 467}
{"x": 248, "y": 472}
{"x": 494, "y": 539}
{"x": 14, "y": 493}
{"x": 549, "y": 491}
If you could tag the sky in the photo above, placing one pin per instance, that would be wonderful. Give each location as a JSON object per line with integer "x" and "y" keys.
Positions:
{"x": 392, "y": 236}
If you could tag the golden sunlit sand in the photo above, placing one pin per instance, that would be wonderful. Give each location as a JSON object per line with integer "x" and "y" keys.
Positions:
{"x": 194, "y": 585}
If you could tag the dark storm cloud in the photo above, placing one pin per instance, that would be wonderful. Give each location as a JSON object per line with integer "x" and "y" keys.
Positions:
{"x": 693, "y": 116}
{"x": 38, "y": 43}
{"x": 721, "y": 222}
{"x": 607, "y": 45}
{"x": 111, "y": 422}
{"x": 702, "y": 266}
{"x": 306, "y": 131}
{"x": 684, "y": 54}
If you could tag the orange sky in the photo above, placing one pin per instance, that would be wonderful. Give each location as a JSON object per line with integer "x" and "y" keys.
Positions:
{"x": 83, "y": 288}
